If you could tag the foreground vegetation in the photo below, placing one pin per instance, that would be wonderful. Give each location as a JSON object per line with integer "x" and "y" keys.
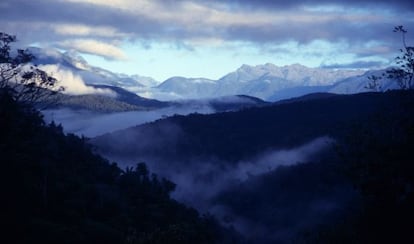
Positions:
{"x": 58, "y": 191}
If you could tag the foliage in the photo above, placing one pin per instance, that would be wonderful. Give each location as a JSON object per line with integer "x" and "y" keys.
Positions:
{"x": 347, "y": 196}
{"x": 235, "y": 136}
{"x": 58, "y": 191}
{"x": 290, "y": 200}
{"x": 24, "y": 82}
{"x": 376, "y": 156}
{"x": 95, "y": 103}
{"x": 374, "y": 83}
{"x": 405, "y": 72}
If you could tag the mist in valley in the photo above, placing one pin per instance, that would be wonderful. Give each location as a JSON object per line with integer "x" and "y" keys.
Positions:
{"x": 206, "y": 183}
{"x": 91, "y": 124}
{"x": 278, "y": 181}
{"x": 159, "y": 121}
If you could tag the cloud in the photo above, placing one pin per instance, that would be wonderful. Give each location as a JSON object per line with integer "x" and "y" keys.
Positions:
{"x": 94, "y": 47}
{"x": 248, "y": 4}
{"x": 195, "y": 20}
{"x": 84, "y": 30}
{"x": 195, "y": 23}
{"x": 356, "y": 65}
{"x": 280, "y": 4}
{"x": 73, "y": 84}
{"x": 271, "y": 160}
{"x": 90, "y": 124}
{"x": 375, "y": 49}
{"x": 201, "y": 178}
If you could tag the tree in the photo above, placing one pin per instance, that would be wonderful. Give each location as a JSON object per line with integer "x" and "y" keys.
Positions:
{"x": 374, "y": 83}
{"x": 404, "y": 74}
{"x": 23, "y": 81}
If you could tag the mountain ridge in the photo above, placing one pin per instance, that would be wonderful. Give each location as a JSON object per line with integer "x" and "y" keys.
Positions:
{"x": 265, "y": 81}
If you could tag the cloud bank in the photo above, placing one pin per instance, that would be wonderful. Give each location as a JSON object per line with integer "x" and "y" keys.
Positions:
{"x": 97, "y": 27}
{"x": 73, "y": 84}
{"x": 351, "y": 31}
{"x": 90, "y": 46}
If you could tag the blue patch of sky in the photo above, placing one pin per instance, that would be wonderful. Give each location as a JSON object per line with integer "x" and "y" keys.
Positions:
{"x": 162, "y": 61}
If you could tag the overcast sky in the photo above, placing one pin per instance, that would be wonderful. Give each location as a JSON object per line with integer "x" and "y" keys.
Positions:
{"x": 209, "y": 38}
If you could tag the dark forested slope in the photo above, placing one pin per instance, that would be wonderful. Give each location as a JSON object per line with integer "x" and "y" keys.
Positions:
{"x": 57, "y": 191}
{"x": 234, "y": 136}
{"x": 360, "y": 192}
{"x": 116, "y": 100}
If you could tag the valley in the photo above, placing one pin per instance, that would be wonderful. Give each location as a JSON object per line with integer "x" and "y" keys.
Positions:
{"x": 207, "y": 121}
{"x": 269, "y": 169}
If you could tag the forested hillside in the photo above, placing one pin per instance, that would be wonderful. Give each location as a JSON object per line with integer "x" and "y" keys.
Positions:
{"x": 235, "y": 136}
{"x": 358, "y": 191}
{"x": 57, "y": 191}
{"x": 117, "y": 100}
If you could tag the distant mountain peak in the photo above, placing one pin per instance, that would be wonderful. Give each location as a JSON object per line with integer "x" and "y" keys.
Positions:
{"x": 245, "y": 66}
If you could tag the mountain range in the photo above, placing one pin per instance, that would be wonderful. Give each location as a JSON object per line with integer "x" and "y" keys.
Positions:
{"x": 268, "y": 81}
{"x": 262, "y": 81}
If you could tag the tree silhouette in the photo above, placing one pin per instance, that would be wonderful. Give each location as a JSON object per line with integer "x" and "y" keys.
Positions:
{"x": 405, "y": 72}
{"x": 57, "y": 190}
{"x": 25, "y": 82}
{"x": 374, "y": 83}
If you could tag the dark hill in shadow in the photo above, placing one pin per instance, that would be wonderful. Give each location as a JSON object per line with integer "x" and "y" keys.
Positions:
{"x": 233, "y": 136}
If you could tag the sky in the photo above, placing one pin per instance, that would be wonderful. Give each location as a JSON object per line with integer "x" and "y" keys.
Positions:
{"x": 210, "y": 38}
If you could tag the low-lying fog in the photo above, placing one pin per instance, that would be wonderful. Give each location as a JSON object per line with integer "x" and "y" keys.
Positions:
{"x": 220, "y": 188}
{"x": 200, "y": 181}
{"x": 92, "y": 124}
{"x": 211, "y": 185}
